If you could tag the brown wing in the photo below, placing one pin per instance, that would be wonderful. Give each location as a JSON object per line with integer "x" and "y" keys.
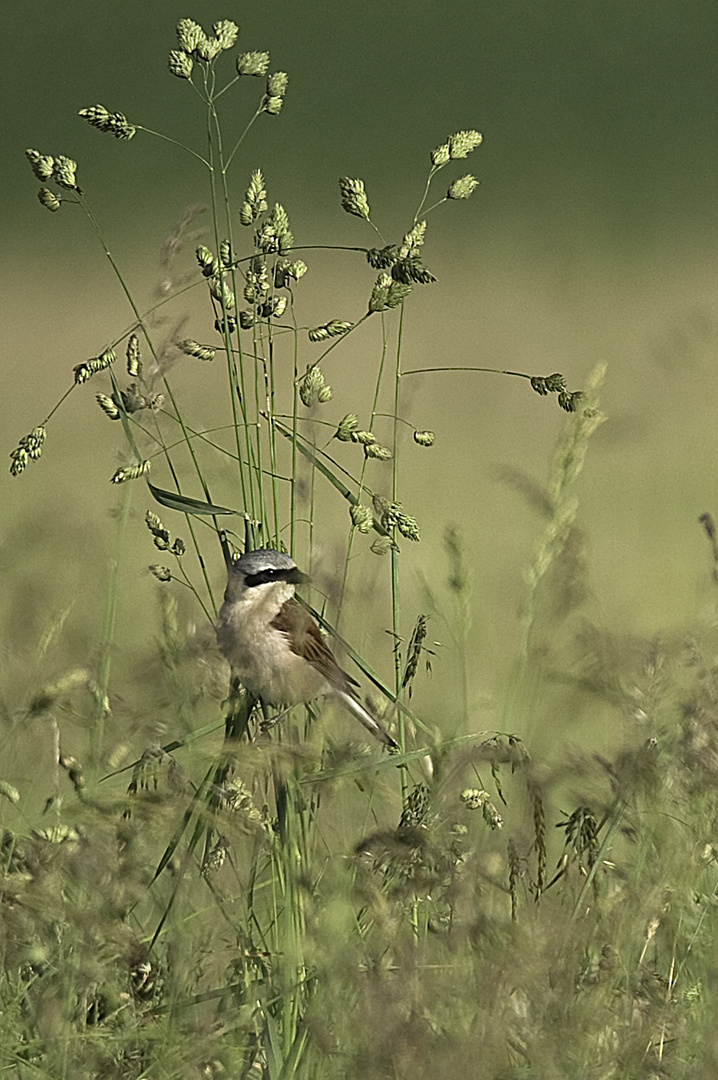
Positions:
{"x": 305, "y": 639}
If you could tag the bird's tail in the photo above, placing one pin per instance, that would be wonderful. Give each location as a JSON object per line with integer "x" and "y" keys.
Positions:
{"x": 352, "y": 705}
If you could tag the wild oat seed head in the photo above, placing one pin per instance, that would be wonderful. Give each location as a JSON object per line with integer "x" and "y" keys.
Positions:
{"x": 353, "y": 197}
{"x": 162, "y": 573}
{"x": 397, "y": 292}
{"x": 347, "y": 425}
{"x": 310, "y": 385}
{"x": 273, "y": 105}
{"x": 424, "y": 438}
{"x": 215, "y": 858}
{"x": 132, "y": 399}
{"x": 491, "y": 816}
{"x": 277, "y": 84}
{"x": 463, "y": 142}
{"x": 256, "y": 288}
{"x": 229, "y": 322}
{"x": 131, "y": 472}
{"x": 20, "y": 458}
{"x": 441, "y": 156}
{"x": 208, "y": 49}
{"x": 411, "y": 269}
{"x": 279, "y": 221}
{"x": 569, "y": 401}
{"x": 134, "y": 361}
{"x": 365, "y": 438}
{"x": 226, "y": 32}
{"x": 206, "y": 260}
{"x": 463, "y": 187}
{"x": 382, "y": 258}
{"x": 407, "y": 526}
{"x": 413, "y": 240}
{"x": 221, "y": 291}
{"x": 86, "y": 370}
{"x": 380, "y": 293}
{"x": 180, "y": 64}
{"x": 153, "y": 522}
{"x": 474, "y": 798}
{"x": 555, "y": 383}
{"x": 193, "y": 348}
{"x": 324, "y": 395}
{"x": 362, "y": 517}
{"x": 116, "y": 124}
{"x": 383, "y": 545}
{"x": 253, "y": 63}
{"x": 334, "y": 328}
{"x": 379, "y": 453}
{"x": 189, "y": 34}
{"x": 297, "y": 269}
{"x": 35, "y": 440}
{"x": 49, "y": 199}
{"x": 255, "y": 199}
{"x": 43, "y": 165}
{"x": 64, "y": 173}
{"x": 108, "y": 406}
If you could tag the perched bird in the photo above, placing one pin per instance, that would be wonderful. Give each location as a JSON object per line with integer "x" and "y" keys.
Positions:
{"x": 274, "y": 646}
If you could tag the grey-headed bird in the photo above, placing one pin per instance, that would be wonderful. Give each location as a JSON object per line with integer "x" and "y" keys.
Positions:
{"x": 274, "y": 646}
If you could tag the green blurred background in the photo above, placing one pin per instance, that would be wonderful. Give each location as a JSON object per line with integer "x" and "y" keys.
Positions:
{"x": 591, "y": 239}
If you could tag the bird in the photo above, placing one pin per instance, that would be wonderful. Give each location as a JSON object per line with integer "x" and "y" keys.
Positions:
{"x": 274, "y": 646}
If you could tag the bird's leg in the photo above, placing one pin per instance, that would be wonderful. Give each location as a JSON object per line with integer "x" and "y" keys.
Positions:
{"x": 271, "y": 721}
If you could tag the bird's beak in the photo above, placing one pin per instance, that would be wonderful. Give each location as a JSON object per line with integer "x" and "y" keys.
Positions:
{"x": 296, "y": 577}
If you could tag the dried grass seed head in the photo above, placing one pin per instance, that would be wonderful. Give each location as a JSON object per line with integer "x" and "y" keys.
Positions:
{"x": 353, "y": 197}
{"x": 134, "y": 360}
{"x": 310, "y": 386}
{"x": 226, "y": 33}
{"x": 378, "y": 453}
{"x": 49, "y": 199}
{"x": 441, "y": 155}
{"x": 180, "y": 64}
{"x": 115, "y": 124}
{"x": 64, "y": 173}
{"x": 131, "y": 472}
{"x": 206, "y": 260}
{"x": 108, "y": 406}
{"x": 42, "y": 165}
{"x": 189, "y": 35}
{"x": 362, "y": 517}
{"x": 463, "y": 187}
{"x": 463, "y": 142}
{"x": 334, "y": 328}
{"x": 347, "y": 426}
{"x": 253, "y": 63}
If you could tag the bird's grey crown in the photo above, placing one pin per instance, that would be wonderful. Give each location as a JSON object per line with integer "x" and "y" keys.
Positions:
{"x": 254, "y": 562}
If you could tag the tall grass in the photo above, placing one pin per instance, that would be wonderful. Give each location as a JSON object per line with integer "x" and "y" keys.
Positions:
{"x": 238, "y": 902}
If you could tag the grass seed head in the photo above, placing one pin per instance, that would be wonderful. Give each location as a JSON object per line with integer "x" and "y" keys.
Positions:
{"x": 253, "y": 63}
{"x": 180, "y": 64}
{"x": 462, "y": 188}
{"x": 49, "y": 199}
